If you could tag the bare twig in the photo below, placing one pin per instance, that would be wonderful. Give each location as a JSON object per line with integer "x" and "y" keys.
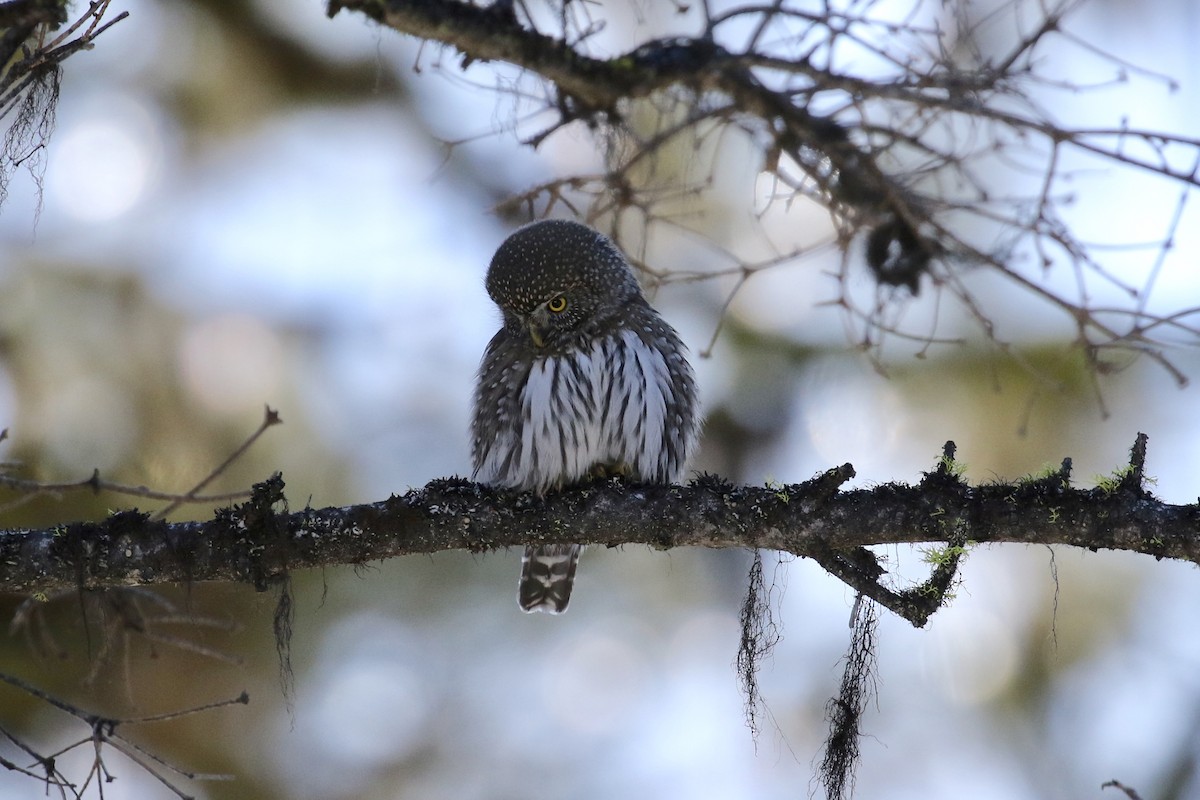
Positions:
{"x": 30, "y": 490}
{"x": 103, "y": 731}
{"x": 270, "y": 418}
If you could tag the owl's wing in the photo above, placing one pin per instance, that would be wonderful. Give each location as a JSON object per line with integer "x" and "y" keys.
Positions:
{"x": 496, "y": 420}
{"x": 667, "y": 425}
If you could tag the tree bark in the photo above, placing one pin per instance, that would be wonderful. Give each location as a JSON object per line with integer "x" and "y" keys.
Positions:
{"x": 259, "y": 542}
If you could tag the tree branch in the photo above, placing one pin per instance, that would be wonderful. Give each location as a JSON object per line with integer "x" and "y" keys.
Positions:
{"x": 494, "y": 34}
{"x": 260, "y": 542}
{"x": 901, "y": 153}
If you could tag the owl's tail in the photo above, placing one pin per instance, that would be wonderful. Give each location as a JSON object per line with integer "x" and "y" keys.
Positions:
{"x": 547, "y": 575}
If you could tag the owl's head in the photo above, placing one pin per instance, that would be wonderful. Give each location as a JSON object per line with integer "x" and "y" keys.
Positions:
{"x": 558, "y": 279}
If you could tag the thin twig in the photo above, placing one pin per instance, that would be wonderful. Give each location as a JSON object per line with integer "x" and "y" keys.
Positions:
{"x": 270, "y": 418}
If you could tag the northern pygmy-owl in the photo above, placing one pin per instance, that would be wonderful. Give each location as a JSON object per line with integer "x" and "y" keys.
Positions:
{"x": 583, "y": 379}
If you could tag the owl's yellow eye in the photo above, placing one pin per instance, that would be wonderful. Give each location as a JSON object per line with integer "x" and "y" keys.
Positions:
{"x": 558, "y": 304}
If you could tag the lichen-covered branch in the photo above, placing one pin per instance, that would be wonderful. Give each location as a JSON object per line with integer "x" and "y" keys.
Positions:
{"x": 260, "y": 541}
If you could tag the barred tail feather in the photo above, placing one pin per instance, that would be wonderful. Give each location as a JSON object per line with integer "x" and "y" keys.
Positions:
{"x": 547, "y": 575}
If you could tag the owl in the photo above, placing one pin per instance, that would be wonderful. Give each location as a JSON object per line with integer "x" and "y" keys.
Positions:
{"x": 584, "y": 379}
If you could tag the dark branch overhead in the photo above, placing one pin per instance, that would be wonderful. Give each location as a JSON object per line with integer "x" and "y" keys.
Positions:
{"x": 902, "y": 156}
{"x": 260, "y": 541}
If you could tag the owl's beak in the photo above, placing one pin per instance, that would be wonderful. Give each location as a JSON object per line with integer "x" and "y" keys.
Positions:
{"x": 537, "y": 323}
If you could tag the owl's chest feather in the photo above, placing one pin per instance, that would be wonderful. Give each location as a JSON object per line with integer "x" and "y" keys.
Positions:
{"x": 613, "y": 403}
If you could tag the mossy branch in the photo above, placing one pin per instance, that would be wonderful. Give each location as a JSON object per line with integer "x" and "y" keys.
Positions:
{"x": 261, "y": 541}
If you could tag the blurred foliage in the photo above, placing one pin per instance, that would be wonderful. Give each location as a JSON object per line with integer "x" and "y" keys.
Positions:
{"x": 95, "y": 368}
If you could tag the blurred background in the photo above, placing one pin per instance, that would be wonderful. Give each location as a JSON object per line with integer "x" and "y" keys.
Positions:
{"x": 247, "y": 203}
